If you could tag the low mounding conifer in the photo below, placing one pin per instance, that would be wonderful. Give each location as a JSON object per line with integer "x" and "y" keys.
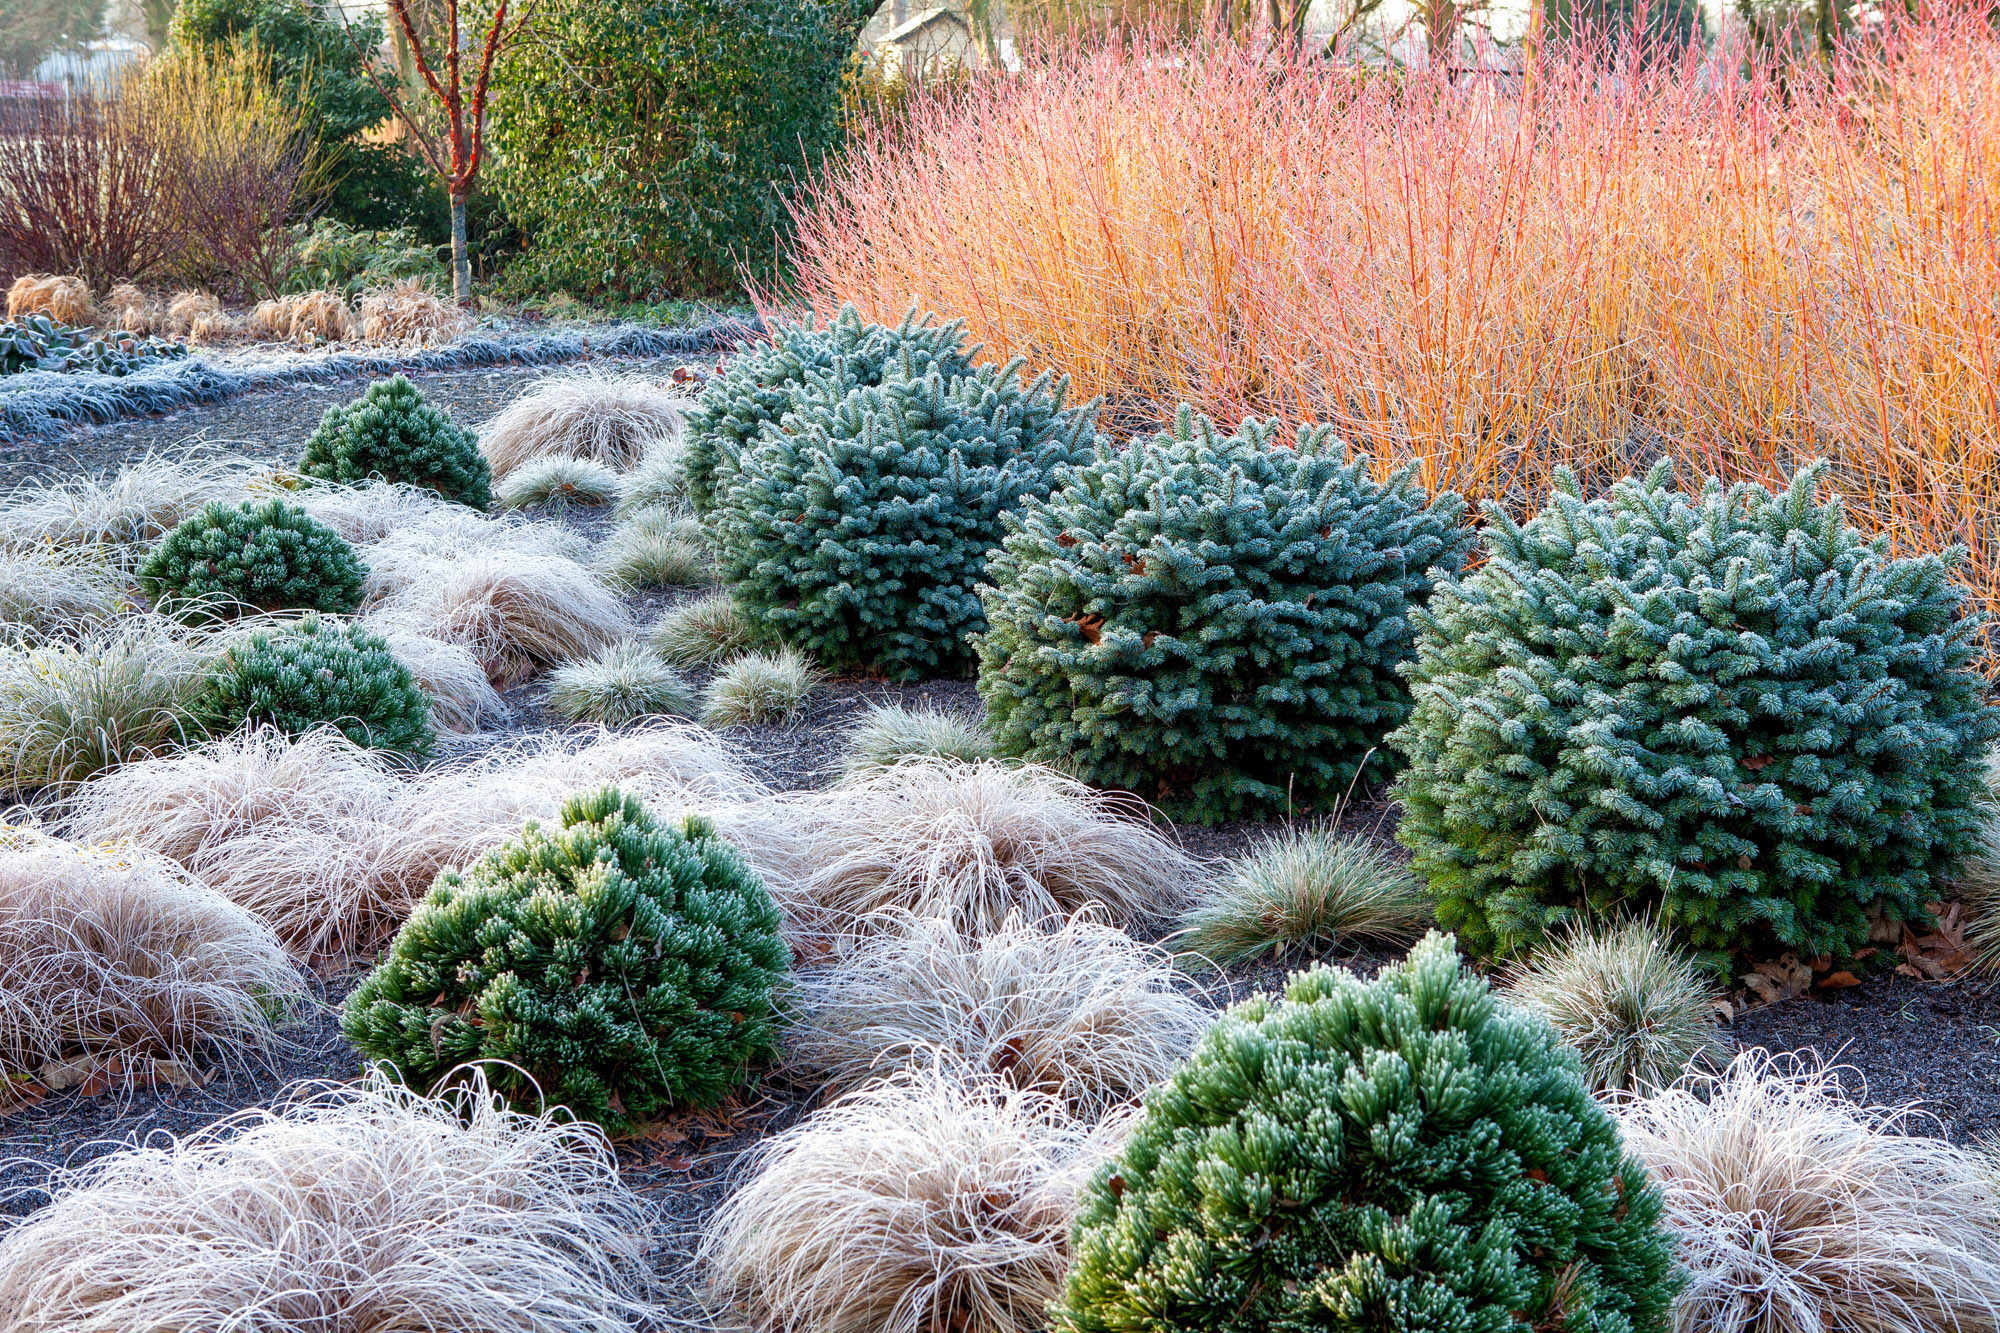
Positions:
{"x": 1404, "y": 1154}
{"x": 390, "y": 433}
{"x": 617, "y": 967}
{"x": 319, "y": 673}
{"x": 1213, "y": 621}
{"x": 1729, "y": 710}
{"x": 237, "y": 560}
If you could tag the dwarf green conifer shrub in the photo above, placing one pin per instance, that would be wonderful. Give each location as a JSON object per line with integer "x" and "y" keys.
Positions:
{"x": 234, "y": 560}
{"x": 620, "y": 968}
{"x": 392, "y": 434}
{"x": 1403, "y": 1154}
{"x": 1212, "y": 621}
{"x": 757, "y": 384}
{"x": 1731, "y": 711}
{"x": 319, "y": 673}
{"x": 858, "y": 528}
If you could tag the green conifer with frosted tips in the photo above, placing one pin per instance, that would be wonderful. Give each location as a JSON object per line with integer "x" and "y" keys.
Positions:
{"x": 1731, "y": 710}
{"x": 390, "y": 433}
{"x": 236, "y": 560}
{"x": 1213, "y": 620}
{"x": 1408, "y": 1154}
{"x": 319, "y": 673}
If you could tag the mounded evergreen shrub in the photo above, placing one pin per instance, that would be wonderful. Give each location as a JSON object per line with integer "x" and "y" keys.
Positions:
{"x": 319, "y": 673}
{"x": 392, "y": 434}
{"x": 620, "y": 967}
{"x": 234, "y": 560}
{"x": 1730, "y": 710}
{"x": 1408, "y": 1153}
{"x": 858, "y": 528}
{"x": 757, "y": 385}
{"x": 1213, "y": 621}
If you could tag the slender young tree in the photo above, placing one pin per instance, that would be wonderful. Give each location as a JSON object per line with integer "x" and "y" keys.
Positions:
{"x": 456, "y": 151}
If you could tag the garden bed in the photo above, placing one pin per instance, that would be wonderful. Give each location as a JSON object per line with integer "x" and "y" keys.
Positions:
{"x": 1908, "y": 1040}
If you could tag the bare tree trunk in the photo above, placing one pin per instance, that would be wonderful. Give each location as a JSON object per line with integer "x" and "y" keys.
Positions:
{"x": 461, "y": 258}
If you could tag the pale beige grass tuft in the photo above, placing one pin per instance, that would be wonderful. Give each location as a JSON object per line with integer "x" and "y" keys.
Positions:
{"x": 452, "y": 534}
{"x": 127, "y": 309}
{"x": 518, "y": 612}
{"x": 977, "y": 843}
{"x": 923, "y": 1204}
{"x": 115, "y": 953}
{"x": 364, "y": 1207}
{"x": 307, "y": 317}
{"x": 118, "y": 518}
{"x": 463, "y": 700}
{"x": 64, "y": 299}
{"x": 1078, "y": 1010}
{"x": 188, "y": 311}
{"x": 1797, "y": 1211}
{"x": 409, "y": 312}
{"x": 603, "y": 418}
{"x": 53, "y": 592}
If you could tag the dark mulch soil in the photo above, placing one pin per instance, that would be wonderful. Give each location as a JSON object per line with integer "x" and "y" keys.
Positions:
{"x": 1906, "y": 1040}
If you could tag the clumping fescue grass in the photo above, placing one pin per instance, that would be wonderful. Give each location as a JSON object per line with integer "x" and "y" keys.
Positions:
{"x": 1077, "y": 1009}
{"x": 333, "y": 845}
{"x": 608, "y": 419}
{"x": 517, "y": 611}
{"x": 409, "y": 312}
{"x": 976, "y": 843}
{"x": 64, "y": 299}
{"x": 1304, "y": 891}
{"x": 923, "y": 1204}
{"x": 891, "y": 733}
{"x": 57, "y": 592}
{"x": 656, "y": 549}
{"x": 365, "y": 1207}
{"x": 658, "y": 482}
{"x": 115, "y": 953}
{"x": 557, "y": 484}
{"x": 69, "y": 711}
{"x": 1635, "y": 1008}
{"x": 117, "y": 519}
{"x": 620, "y": 685}
{"x": 702, "y": 632}
{"x": 759, "y": 687}
{"x": 1796, "y": 1210}
{"x": 462, "y": 699}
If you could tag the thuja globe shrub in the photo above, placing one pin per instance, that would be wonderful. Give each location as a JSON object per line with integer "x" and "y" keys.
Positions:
{"x": 1213, "y": 621}
{"x": 391, "y": 434}
{"x": 756, "y": 386}
{"x": 319, "y": 673}
{"x": 228, "y": 561}
{"x": 1730, "y": 710}
{"x": 1405, "y": 1153}
{"x": 858, "y": 529}
{"x": 613, "y": 965}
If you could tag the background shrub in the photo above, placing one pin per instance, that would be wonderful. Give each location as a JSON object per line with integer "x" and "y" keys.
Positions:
{"x": 268, "y": 556}
{"x": 756, "y": 385}
{"x": 624, "y": 966}
{"x": 1402, "y": 1153}
{"x": 390, "y": 433}
{"x": 320, "y": 673}
{"x": 859, "y": 527}
{"x": 1731, "y": 710}
{"x": 1213, "y": 621}
{"x": 668, "y": 134}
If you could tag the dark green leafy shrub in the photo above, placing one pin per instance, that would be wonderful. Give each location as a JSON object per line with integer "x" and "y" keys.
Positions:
{"x": 333, "y": 256}
{"x": 1213, "y": 621}
{"x": 619, "y": 968}
{"x": 234, "y": 560}
{"x": 757, "y": 385}
{"x": 649, "y": 149}
{"x": 319, "y": 673}
{"x": 35, "y": 342}
{"x": 858, "y": 528}
{"x": 391, "y": 433}
{"x": 1405, "y": 1154}
{"x": 1732, "y": 711}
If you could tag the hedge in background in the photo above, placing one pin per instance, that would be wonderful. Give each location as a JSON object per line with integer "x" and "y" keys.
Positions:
{"x": 757, "y": 385}
{"x": 1731, "y": 710}
{"x": 271, "y": 556}
{"x": 1213, "y": 621}
{"x": 391, "y": 433}
{"x": 858, "y": 529}
{"x": 618, "y": 967}
{"x": 648, "y": 147}
{"x": 320, "y": 673}
{"x": 1403, "y": 1154}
